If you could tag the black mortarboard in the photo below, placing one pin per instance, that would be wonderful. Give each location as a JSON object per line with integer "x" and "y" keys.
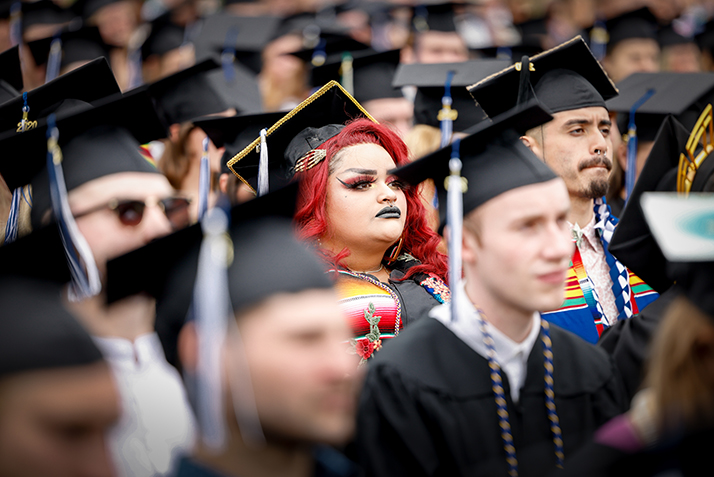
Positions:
{"x": 434, "y": 17}
{"x": 188, "y": 94}
{"x": 682, "y": 94}
{"x": 237, "y": 86}
{"x": 163, "y": 37}
{"x": 429, "y": 80}
{"x": 632, "y": 242}
{"x": 10, "y": 74}
{"x": 371, "y": 74}
{"x": 96, "y": 142}
{"x": 671, "y": 35}
{"x": 494, "y": 159}
{"x": 640, "y": 23}
{"x": 79, "y": 43}
{"x": 331, "y": 104}
{"x": 71, "y": 91}
{"x": 682, "y": 228}
{"x": 243, "y": 37}
{"x": 563, "y": 78}
{"x": 312, "y": 27}
{"x": 87, "y": 8}
{"x": 511, "y": 53}
{"x": 330, "y": 50}
{"x": 37, "y": 332}
{"x": 705, "y": 39}
{"x": 44, "y": 12}
{"x": 39, "y": 256}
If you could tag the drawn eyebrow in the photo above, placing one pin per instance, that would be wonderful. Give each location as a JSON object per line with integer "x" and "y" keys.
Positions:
{"x": 370, "y": 172}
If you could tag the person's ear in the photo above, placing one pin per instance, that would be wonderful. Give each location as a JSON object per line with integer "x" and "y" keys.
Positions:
{"x": 528, "y": 141}
{"x": 188, "y": 347}
{"x": 174, "y": 132}
{"x": 622, "y": 155}
{"x": 469, "y": 247}
{"x": 223, "y": 183}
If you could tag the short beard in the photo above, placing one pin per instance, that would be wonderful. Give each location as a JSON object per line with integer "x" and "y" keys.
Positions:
{"x": 597, "y": 189}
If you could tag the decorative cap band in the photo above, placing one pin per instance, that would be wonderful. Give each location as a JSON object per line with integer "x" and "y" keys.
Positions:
{"x": 310, "y": 160}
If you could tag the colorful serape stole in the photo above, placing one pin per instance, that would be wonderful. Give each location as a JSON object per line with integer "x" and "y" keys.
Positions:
{"x": 146, "y": 154}
{"x": 373, "y": 311}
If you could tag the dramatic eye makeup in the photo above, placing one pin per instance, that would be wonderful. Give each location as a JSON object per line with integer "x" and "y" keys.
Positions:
{"x": 358, "y": 182}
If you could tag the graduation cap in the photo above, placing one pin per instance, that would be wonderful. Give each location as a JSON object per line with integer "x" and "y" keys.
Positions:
{"x": 671, "y": 35}
{"x": 238, "y": 88}
{"x": 640, "y": 23}
{"x": 164, "y": 36}
{"x": 682, "y": 228}
{"x": 563, "y": 78}
{"x": 95, "y": 142}
{"x": 430, "y": 79}
{"x": 188, "y": 94}
{"x": 44, "y": 12}
{"x": 434, "y": 17}
{"x": 236, "y": 132}
{"x": 331, "y": 104}
{"x": 365, "y": 74}
{"x": 240, "y": 39}
{"x": 72, "y": 91}
{"x": 632, "y": 242}
{"x": 493, "y": 157}
{"x": 330, "y": 50}
{"x": 705, "y": 39}
{"x": 10, "y": 74}
{"x": 37, "y": 332}
{"x": 513, "y": 53}
{"x": 87, "y": 8}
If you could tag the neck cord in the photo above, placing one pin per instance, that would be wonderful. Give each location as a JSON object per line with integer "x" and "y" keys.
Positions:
{"x": 497, "y": 386}
{"x": 381, "y": 266}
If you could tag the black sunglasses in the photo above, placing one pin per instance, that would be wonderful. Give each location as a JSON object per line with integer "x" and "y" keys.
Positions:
{"x": 131, "y": 212}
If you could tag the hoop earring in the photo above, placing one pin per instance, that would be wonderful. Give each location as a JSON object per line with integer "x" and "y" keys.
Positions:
{"x": 395, "y": 251}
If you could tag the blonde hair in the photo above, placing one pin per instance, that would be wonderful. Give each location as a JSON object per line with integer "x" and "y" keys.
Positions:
{"x": 680, "y": 367}
{"x": 175, "y": 161}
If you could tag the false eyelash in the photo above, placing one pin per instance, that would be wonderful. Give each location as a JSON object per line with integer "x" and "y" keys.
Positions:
{"x": 357, "y": 182}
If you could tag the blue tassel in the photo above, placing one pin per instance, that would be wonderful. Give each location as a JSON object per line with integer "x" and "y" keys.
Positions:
{"x": 204, "y": 181}
{"x": 136, "y": 76}
{"x": 630, "y": 174}
{"x": 16, "y": 24}
{"x": 85, "y": 275}
{"x": 447, "y": 115}
{"x": 54, "y": 60}
{"x": 228, "y": 55}
{"x": 454, "y": 219}
{"x": 599, "y": 38}
{"x": 11, "y": 225}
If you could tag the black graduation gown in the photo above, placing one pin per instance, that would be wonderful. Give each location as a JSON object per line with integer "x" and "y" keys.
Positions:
{"x": 427, "y": 407}
{"x": 628, "y": 341}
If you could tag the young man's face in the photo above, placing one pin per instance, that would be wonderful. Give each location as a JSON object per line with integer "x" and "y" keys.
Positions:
{"x": 576, "y": 144}
{"x": 634, "y": 55}
{"x": 440, "y": 47}
{"x": 106, "y": 235}
{"x": 53, "y": 422}
{"x": 517, "y": 248}
{"x": 305, "y": 382}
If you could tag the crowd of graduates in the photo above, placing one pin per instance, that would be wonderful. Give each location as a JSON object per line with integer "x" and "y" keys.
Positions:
{"x": 343, "y": 238}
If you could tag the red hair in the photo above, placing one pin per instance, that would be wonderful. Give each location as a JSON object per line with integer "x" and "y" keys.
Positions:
{"x": 419, "y": 240}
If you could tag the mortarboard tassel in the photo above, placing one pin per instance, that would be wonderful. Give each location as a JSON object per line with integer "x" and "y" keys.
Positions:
{"x": 85, "y": 275}
{"x": 211, "y": 312}
{"x": 16, "y": 25}
{"x": 263, "y": 180}
{"x": 204, "y": 181}
{"x": 454, "y": 219}
{"x": 13, "y": 215}
{"x": 54, "y": 59}
{"x": 319, "y": 55}
{"x": 136, "y": 78}
{"x": 228, "y": 55}
{"x": 524, "y": 79}
{"x": 632, "y": 144}
{"x": 446, "y": 115}
{"x": 347, "y": 73}
{"x": 599, "y": 38}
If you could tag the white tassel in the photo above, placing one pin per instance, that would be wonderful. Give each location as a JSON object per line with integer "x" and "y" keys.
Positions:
{"x": 204, "y": 181}
{"x": 454, "y": 219}
{"x": 263, "y": 180}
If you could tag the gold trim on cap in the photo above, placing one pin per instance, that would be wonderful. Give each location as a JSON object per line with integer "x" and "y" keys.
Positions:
{"x": 256, "y": 143}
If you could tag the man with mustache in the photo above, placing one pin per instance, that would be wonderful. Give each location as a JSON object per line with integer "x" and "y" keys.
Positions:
{"x": 576, "y": 144}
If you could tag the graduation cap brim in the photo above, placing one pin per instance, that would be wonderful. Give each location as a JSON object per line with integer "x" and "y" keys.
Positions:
{"x": 71, "y": 38}
{"x": 10, "y": 70}
{"x": 640, "y": 23}
{"x": 158, "y": 259}
{"x": 499, "y": 92}
{"x": 245, "y": 34}
{"x": 674, "y": 92}
{"x": 632, "y": 242}
{"x": 224, "y": 131}
{"x": 331, "y": 104}
{"x": 88, "y": 83}
{"x": 39, "y": 255}
{"x": 25, "y": 154}
{"x": 240, "y": 92}
{"x": 436, "y": 165}
{"x": 334, "y": 50}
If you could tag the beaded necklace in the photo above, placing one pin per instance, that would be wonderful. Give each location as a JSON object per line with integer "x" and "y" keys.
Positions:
{"x": 398, "y": 318}
{"x": 497, "y": 386}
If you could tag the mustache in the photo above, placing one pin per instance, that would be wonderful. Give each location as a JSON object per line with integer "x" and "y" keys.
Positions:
{"x": 596, "y": 161}
{"x": 391, "y": 209}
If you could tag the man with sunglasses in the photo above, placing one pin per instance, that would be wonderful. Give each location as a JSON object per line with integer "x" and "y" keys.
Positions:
{"x": 120, "y": 202}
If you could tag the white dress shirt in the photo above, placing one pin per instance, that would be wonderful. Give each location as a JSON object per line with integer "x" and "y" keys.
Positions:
{"x": 156, "y": 425}
{"x": 510, "y": 356}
